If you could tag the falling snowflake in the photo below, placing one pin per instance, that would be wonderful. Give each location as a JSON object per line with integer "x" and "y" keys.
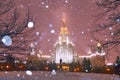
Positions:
{"x": 116, "y": 64}
{"x": 6, "y": 72}
{"x": 41, "y": 38}
{"x": 91, "y": 40}
{"x": 43, "y": 2}
{"x": 72, "y": 33}
{"x": 50, "y": 50}
{"x": 46, "y": 75}
{"x": 83, "y": 32}
{"x": 50, "y": 25}
{"x": 66, "y": 1}
{"x": 118, "y": 20}
{"x": 52, "y": 31}
{"x": 30, "y": 24}
{"x": 37, "y": 33}
{"x": 28, "y": 72}
{"x": 36, "y": 43}
{"x": 18, "y": 75}
{"x": 7, "y": 40}
{"x": 21, "y": 6}
{"x": 105, "y": 35}
{"x": 53, "y": 72}
{"x": 106, "y": 39}
{"x": 86, "y": 70}
{"x": 112, "y": 33}
{"x": 88, "y": 30}
{"x": 46, "y": 6}
{"x": 110, "y": 28}
{"x": 48, "y": 40}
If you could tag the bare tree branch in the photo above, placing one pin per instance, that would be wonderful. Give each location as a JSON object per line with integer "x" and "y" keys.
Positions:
{"x": 108, "y": 23}
{"x": 15, "y": 28}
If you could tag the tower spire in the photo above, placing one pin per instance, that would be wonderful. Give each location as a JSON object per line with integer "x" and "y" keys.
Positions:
{"x": 64, "y": 29}
{"x": 63, "y": 20}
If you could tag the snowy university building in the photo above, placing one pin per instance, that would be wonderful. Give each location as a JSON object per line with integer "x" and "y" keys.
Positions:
{"x": 97, "y": 58}
{"x": 64, "y": 47}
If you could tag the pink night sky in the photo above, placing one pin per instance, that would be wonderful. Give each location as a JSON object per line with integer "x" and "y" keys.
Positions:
{"x": 47, "y": 16}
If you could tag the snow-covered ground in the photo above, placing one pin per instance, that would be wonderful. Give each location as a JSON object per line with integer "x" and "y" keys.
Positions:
{"x": 40, "y": 75}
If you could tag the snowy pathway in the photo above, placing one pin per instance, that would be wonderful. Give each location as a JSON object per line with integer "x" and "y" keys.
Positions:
{"x": 39, "y": 75}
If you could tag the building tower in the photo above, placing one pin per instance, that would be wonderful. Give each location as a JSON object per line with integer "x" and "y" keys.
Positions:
{"x": 99, "y": 58}
{"x": 32, "y": 49}
{"x": 32, "y": 56}
{"x": 64, "y": 47}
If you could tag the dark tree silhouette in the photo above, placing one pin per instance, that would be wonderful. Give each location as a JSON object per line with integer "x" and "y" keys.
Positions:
{"x": 107, "y": 24}
{"x": 86, "y": 65}
{"x": 117, "y": 65}
{"x": 13, "y": 25}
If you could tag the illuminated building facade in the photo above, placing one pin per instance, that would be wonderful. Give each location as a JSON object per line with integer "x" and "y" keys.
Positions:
{"x": 97, "y": 58}
{"x": 64, "y": 48}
